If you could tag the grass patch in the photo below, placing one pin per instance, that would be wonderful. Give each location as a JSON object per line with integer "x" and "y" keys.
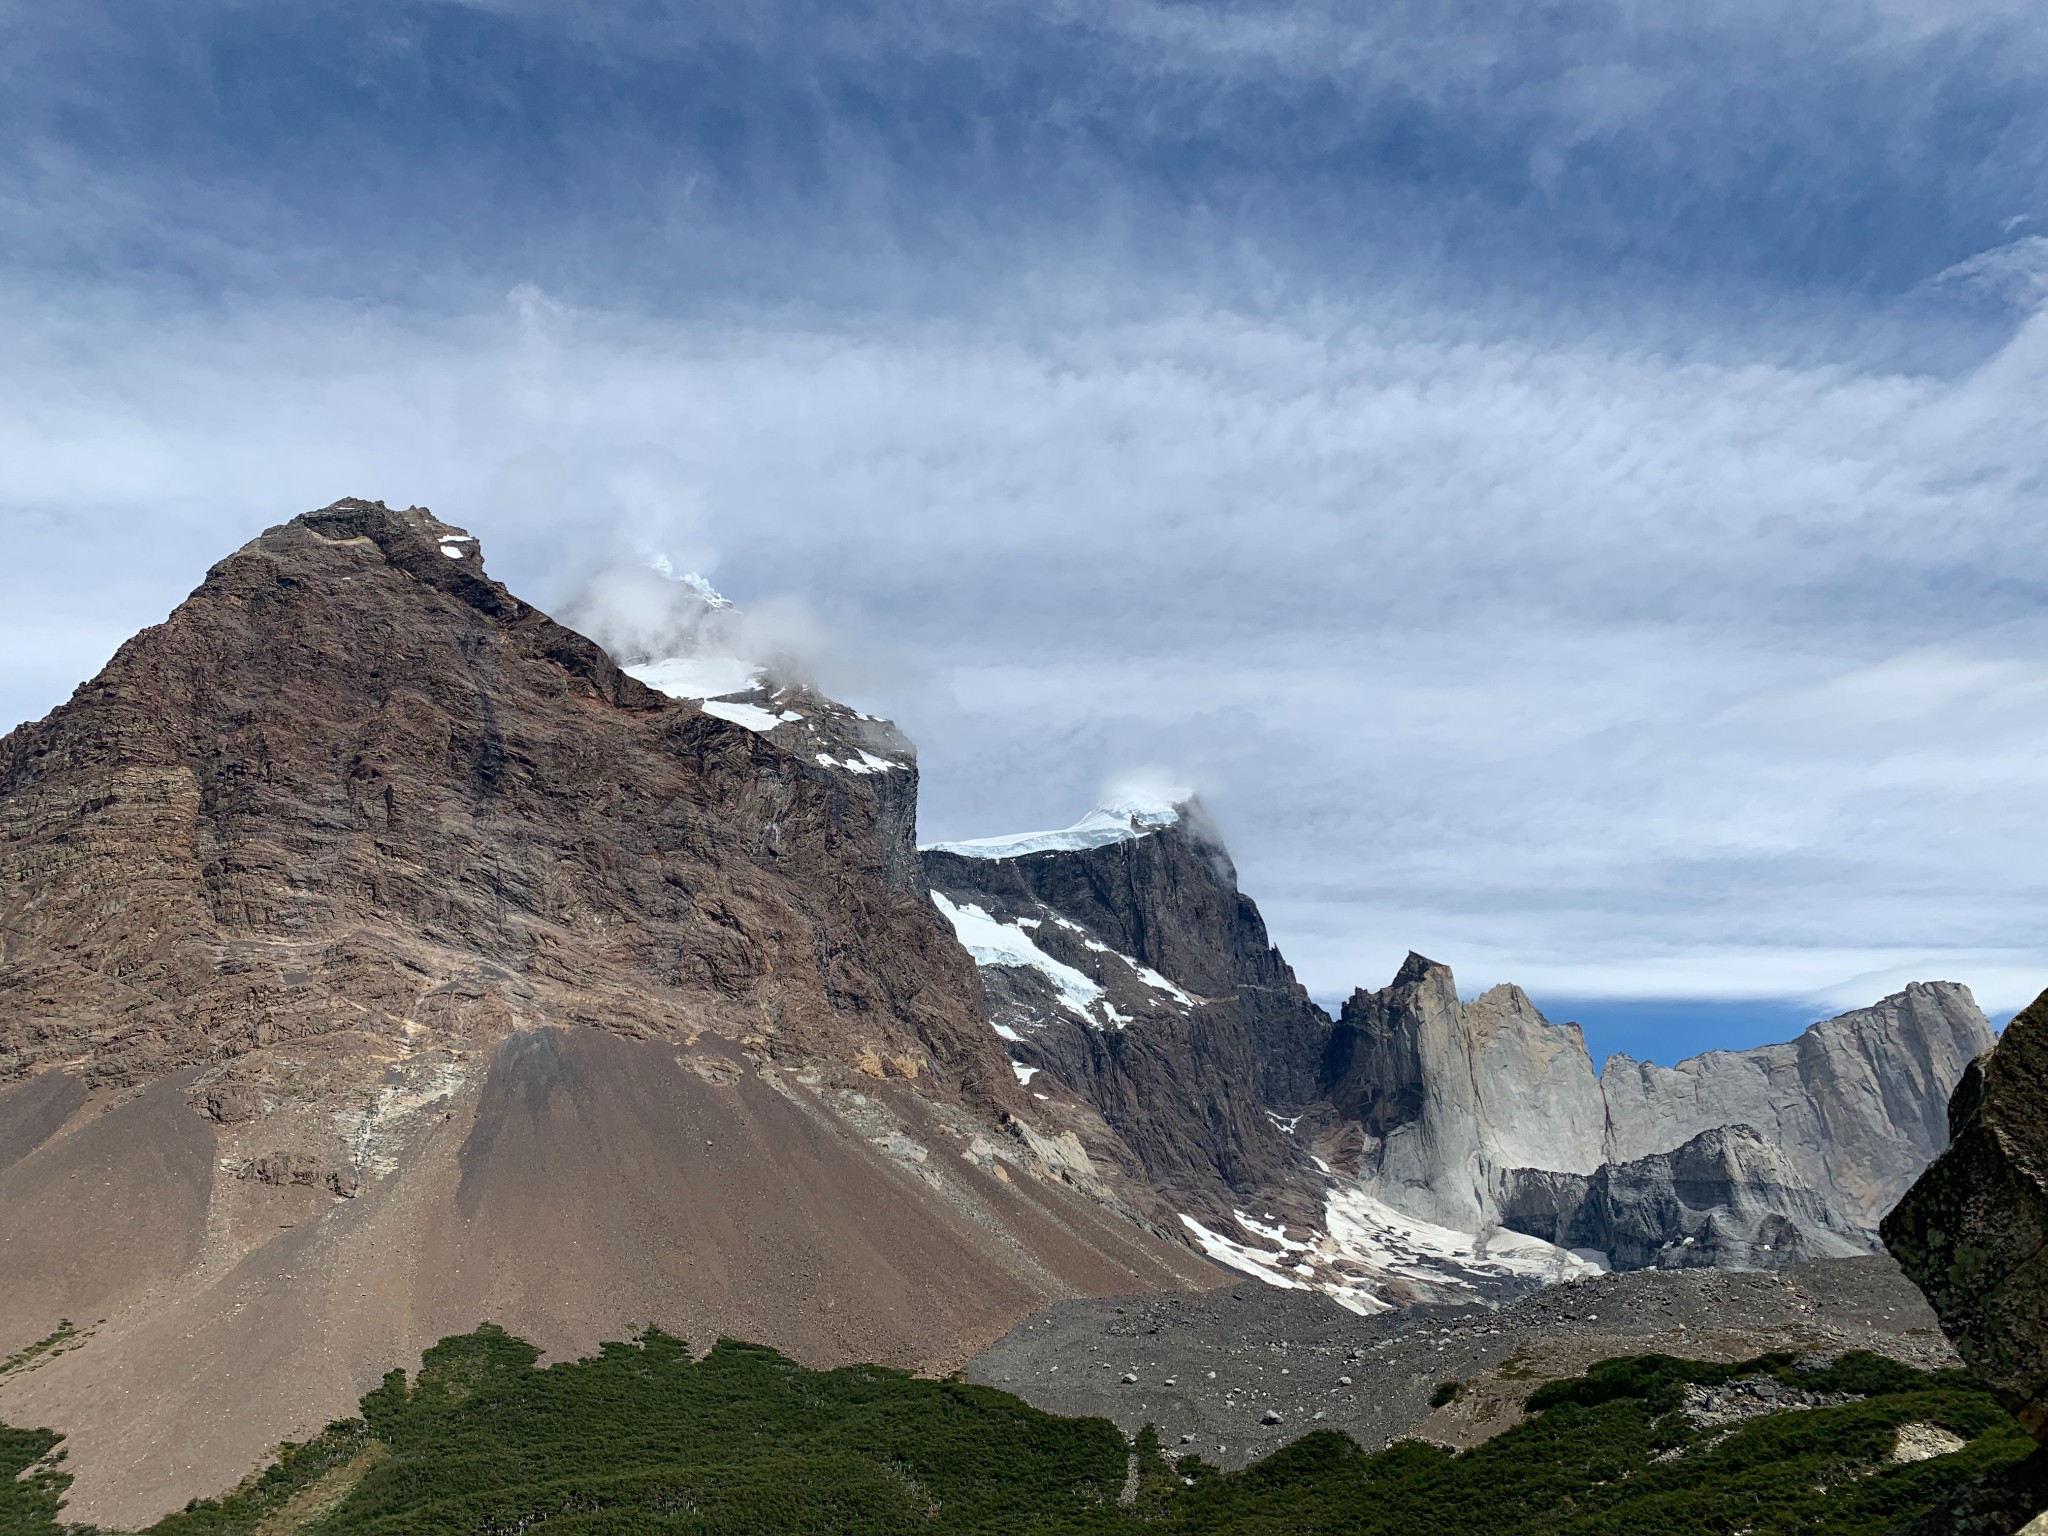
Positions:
{"x": 68, "y": 1336}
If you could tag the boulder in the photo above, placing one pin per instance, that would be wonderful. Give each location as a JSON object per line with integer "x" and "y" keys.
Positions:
{"x": 1972, "y": 1232}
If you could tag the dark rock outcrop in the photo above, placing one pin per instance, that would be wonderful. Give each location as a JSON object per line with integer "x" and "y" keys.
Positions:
{"x": 1180, "y": 1023}
{"x": 1723, "y": 1200}
{"x": 1972, "y": 1232}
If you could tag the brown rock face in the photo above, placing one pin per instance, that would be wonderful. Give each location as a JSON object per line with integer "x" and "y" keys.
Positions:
{"x": 1973, "y": 1232}
{"x": 378, "y": 959}
{"x": 355, "y": 785}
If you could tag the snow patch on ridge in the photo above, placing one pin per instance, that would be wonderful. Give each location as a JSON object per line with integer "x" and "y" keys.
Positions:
{"x": 866, "y": 762}
{"x": 698, "y": 677}
{"x": 752, "y": 716}
{"x": 1144, "y": 973}
{"x": 1120, "y": 821}
{"x": 991, "y": 942}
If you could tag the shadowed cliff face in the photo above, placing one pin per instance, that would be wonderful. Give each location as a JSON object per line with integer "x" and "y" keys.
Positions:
{"x": 1972, "y": 1232}
{"x": 1723, "y": 1200}
{"x": 1182, "y": 1026}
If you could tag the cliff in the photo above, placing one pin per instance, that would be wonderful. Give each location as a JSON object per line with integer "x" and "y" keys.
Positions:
{"x": 1722, "y": 1200}
{"x": 1120, "y": 957}
{"x": 1972, "y": 1232}
{"x": 1855, "y": 1105}
{"x": 1470, "y": 1114}
{"x": 1450, "y": 1095}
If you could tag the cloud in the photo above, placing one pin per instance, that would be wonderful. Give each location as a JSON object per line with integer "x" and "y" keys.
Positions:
{"x": 1566, "y": 493}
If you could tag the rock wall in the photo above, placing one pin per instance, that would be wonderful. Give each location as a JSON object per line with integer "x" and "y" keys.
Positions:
{"x": 1724, "y": 1200}
{"x": 1451, "y": 1095}
{"x": 1972, "y": 1232}
{"x": 1473, "y": 1113}
{"x": 1137, "y": 974}
{"x": 1855, "y": 1105}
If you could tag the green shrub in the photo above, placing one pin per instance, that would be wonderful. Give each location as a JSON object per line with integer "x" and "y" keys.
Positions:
{"x": 743, "y": 1442}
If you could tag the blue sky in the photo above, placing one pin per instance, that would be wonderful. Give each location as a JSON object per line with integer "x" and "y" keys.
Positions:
{"x": 1563, "y": 481}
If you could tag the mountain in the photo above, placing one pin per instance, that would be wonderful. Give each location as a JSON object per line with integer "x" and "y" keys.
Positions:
{"x": 1132, "y": 979}
{"x": 1419, "y": 1146}
{"x": 1119, "y": 957}
{"x": 381, "y": 958}
{"x": 1450, "y": 1109}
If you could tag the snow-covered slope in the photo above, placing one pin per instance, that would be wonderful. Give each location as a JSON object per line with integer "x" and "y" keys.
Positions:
{"x": 1116, "y": 821}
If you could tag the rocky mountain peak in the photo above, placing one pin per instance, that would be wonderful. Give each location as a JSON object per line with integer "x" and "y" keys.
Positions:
{"x": 354, "y": 760}
{"x": 1416, "y": 970}
{"x": 378, "y": 956}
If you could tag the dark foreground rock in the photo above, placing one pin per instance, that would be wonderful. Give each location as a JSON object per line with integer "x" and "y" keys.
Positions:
{"x": 1973, "y": 1232}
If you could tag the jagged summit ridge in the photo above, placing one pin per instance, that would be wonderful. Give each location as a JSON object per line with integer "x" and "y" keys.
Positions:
{"x": 1389, "y": 1143}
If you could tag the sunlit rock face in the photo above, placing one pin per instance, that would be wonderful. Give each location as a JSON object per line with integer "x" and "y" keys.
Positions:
{"x": 1450, "y": 1095}
{"x": 1856, "y": 1105}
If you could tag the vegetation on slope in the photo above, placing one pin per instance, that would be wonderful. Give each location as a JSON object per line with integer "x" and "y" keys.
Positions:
{"x": 642, "y": 1438}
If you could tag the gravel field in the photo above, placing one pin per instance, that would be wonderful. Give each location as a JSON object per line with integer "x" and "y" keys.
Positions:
{"x": 1235, "y": 1373}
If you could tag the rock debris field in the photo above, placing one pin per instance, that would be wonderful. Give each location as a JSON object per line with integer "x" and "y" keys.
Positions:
{"x": 1236, "y": 1373}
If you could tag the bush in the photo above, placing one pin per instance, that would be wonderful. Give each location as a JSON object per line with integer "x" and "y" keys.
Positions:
{"x": 743, "y": 1442}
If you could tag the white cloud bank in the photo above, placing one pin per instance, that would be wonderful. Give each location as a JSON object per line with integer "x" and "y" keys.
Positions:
{"x": 1601, "y": 669}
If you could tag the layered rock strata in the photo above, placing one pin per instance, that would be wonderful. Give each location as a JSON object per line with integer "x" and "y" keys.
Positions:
{"x": 355, "y": 785}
